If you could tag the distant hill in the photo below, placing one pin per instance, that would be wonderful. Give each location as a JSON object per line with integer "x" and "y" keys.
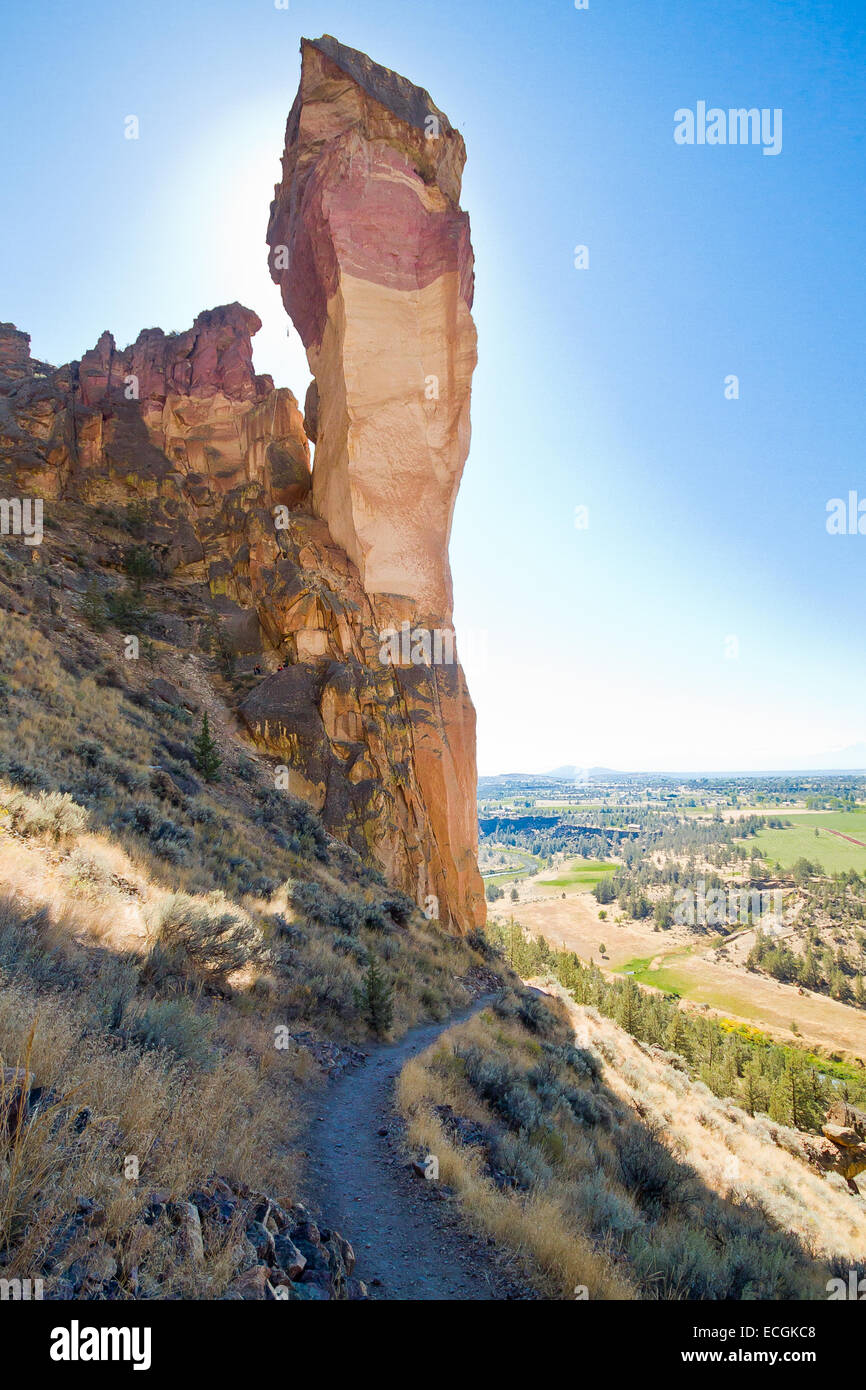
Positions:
{"x": 570, "y": 773}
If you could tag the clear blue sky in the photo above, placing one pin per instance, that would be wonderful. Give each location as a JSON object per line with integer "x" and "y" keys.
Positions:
{"x": 599, "y": 387}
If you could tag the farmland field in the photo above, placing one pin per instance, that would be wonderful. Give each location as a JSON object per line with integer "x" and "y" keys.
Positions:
{"x": 829, "y": 850}
{"x": 583, "y": 874}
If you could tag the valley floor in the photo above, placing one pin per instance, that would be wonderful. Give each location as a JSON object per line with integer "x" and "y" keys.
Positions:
{"x": 685, "y": 961}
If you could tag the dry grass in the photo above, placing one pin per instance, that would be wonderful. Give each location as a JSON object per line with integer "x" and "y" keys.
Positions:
{"x": 180, "y": 1123}
{"x": 156, "y": 935}
{"x": 735, "y": 1155}
{"x": 536, "y": 1230}
{"x": 618, "y": 1175}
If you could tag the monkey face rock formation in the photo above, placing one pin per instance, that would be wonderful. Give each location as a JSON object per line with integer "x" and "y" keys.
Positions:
{"x": 372, "y": 255}
{"x": 373, "y": 258}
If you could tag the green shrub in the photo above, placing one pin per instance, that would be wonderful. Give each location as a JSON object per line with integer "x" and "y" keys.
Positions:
{"x": 207, "y": 758}
{"x": 377, "y": 999}
{"x": 174, "y": 1025}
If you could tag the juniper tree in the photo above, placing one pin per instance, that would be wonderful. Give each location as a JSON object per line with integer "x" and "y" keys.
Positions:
{"x": 207, "y": 758}
{"x": 377, "y": 999}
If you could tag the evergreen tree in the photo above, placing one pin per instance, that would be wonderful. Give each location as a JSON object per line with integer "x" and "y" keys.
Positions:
{"x": 93, "y": 609}
{"x": 676, "y": 1037}
{"x": 603, "y": 890}
{"x": 629, "y": 1007}
{"x": 377, "y": 999}
{"x": 207, "y": 758}
{"x": 796, "y": 1098}
{"x": 139, "y": 565}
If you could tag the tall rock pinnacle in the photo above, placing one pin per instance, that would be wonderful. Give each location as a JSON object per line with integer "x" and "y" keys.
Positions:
{"x": 372, "y": 254}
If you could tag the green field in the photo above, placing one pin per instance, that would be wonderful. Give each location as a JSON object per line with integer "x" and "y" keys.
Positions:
{"x": 663, "y": 978}
{"x": 583, "y": 874}
{"x": 666, "y": 976}
{"x": 801, "y": 842}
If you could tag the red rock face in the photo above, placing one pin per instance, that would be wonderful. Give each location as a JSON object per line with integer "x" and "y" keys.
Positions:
{"x": 14, "y": 353}
{"x": 372, "y": 254}
{"x": 215, "y": 355}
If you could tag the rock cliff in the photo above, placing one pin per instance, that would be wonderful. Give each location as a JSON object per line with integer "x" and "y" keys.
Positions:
{"x": 306, "y": 574}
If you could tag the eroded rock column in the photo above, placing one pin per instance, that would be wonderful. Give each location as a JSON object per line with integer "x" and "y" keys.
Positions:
{"x": 372, "y": 254}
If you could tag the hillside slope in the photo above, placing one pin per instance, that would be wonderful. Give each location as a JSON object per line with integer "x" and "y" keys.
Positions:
{"x": 182, "y": 960}
{"x": 609, "y": 1173}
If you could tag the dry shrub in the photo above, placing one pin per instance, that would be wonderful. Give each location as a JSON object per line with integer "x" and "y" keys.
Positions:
{"x": 199, "y": 943}
{"x": 180, "y": 1123}
{"x": 586, "y": 1188}
{"x": 51, "y": 814}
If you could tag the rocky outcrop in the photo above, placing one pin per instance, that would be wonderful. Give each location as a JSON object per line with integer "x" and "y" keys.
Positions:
{"x": 271, "y": 1250}
{"x": 845, "y": 1128}
{"x": 372, "y": 254}
{"x": 173, "y": 413}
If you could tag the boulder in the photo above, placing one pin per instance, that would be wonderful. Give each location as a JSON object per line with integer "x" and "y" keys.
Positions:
{"x": 251, "y": 1286}
{"x": 262, "y": 1241}
{"x": 189, "y": 1230}
{"x": 289, "y": 1257}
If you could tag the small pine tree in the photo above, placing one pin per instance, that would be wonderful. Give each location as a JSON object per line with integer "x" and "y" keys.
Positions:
{"x": 207, "y": 759}
{"x": 93, "y": 609}
{"x": 377, "y": 999}
{"x": 139, "y": 565}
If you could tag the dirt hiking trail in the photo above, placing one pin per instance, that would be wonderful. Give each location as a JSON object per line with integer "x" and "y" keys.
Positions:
{"x": 408, "y": 1239}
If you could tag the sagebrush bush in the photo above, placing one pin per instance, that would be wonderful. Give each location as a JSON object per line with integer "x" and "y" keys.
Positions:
{"x": 200, "y": 943}
{"x": 506, "y": 1093}
{"x": 171, "y": 1024}
{"x": 528, "y": 1008}
{"x": 34, "y": 946}
{"x": 52, "y": 814}
{"x": 562, "y": 1161}
{"x": 88, "y": 872}
{"x": 650, "y": 1173}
